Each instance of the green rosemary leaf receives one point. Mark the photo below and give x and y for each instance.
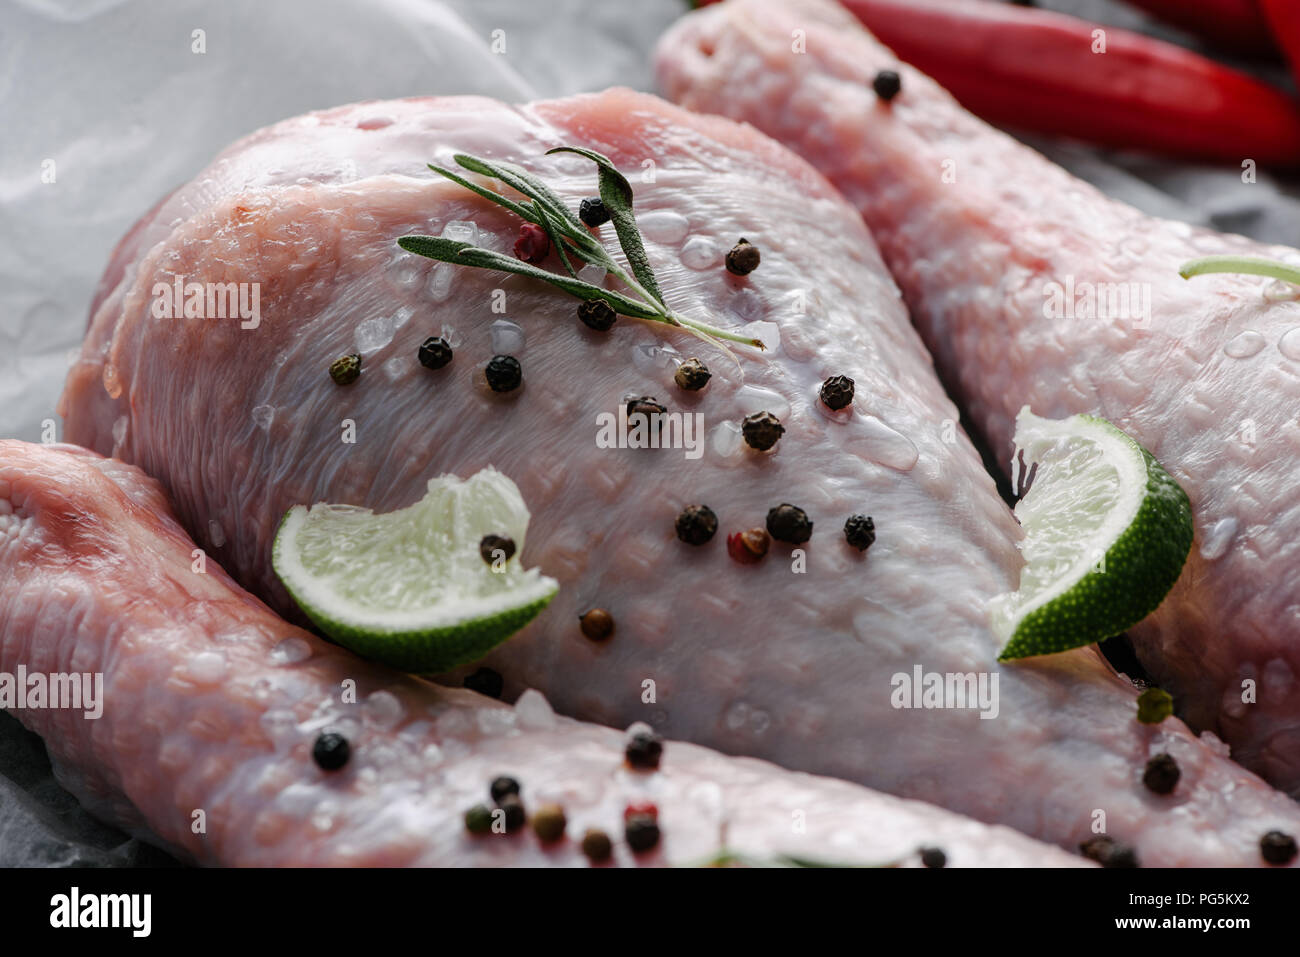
(464, 254)
(516, 208)
(616, 194)
(557, 243)
(524, 182)
(434, 247)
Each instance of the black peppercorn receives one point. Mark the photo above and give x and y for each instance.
(486, 682)
(742, 259)
(597, 846)
(692, 375)
(641, 832)
(597, 314)
(1108, 852)
(696, 524)
(647, 406)
(789, 523)
(761, 430)
(1161, 774)
(345, 370)
(644, 747)
(503, 373)
(860, 531)
(887, 84)
(502, 787)
(1277, 847)
(331, 751)
(516, 816)
(933, 857)
(435, 352)
(491, 544)
(837, 392)
(593, 212)
(597, 624)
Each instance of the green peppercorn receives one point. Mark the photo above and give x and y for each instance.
(596, 623)
(478, 819)
(761, 430)
(641, 832)
(1108, 852)
(692, 375)
(860, 531)
(597, 314)
(486, 682)
(644, 748)
(837, 392)
(1277, 847)
(887, 84)
(549, 823)
(435, 352)
(516, 816)
(789, 523)
(1161, 774)
(933, 857)
(696, 524)
(490, 545)
(592, 212)
(331, 751)
(597, 846)
(503, 373)
(345, 370)
(742, 259)
(1154, 705)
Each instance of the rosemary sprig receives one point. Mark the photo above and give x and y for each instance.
(1248, 265)
(569, 237)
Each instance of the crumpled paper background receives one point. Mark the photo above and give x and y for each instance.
(113, 92)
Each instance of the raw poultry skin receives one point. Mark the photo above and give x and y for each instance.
(213, 703)
(794, 667)
(1209, 384)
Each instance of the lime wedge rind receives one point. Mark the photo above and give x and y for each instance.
(436, 650)
(1129, 557)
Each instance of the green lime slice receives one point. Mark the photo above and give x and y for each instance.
(410, 588)
(1107, 531)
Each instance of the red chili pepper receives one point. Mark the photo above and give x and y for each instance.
(533, 244)
(1037, 70)
(1237, 25)
(1284, 19)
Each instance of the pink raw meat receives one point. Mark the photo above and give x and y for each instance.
(983, 234)
(792, 659)
(213, 703)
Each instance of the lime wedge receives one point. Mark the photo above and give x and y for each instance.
(1107, 531)
(411, 588)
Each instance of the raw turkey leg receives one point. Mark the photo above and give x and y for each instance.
(799, 659)
(999, 253)
(210, 702)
